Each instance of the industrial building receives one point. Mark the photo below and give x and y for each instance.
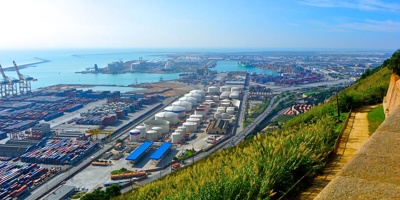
(218, 126)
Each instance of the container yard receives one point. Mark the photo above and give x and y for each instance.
(17, 179)
(60, 152)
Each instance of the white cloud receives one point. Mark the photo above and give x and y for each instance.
(367, 25)
(368, 5)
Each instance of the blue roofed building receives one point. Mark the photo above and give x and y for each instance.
(161, 152)
(139, 152)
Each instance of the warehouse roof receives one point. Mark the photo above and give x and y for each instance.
(139, 151)
(161, 151)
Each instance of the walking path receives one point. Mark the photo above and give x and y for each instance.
(354, 136)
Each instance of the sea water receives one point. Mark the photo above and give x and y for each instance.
(65, 63)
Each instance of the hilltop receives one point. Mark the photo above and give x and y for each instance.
(266, 167)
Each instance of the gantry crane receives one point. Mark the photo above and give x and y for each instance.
(24, 81)
(8, 85)
(97, 131)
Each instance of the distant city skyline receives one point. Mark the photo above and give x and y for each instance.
(222, 24)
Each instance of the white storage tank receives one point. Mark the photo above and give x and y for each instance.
(142, 130)
(223, 116)
(186, 104)
(164, 124)
(200, 112)
(190, 126)
(151, 135)
(196, 116)
(176, 137)
(226, 101)
(194, 95)
(201, 92)
(235, 89)
(212, 90)
(176, 109)
(208, 97)
(224, 95)
(215, 98)
(169, 116)
(159, 131)
(225, 88)
(221, 109)
(234, 95)
(195, 120)
(225, 104)
(182, 128)
(203, 107)
(134, 135)
(189, 99)
(230, 111)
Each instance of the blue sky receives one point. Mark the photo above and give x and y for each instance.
(247, 24)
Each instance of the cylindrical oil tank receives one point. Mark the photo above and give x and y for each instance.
(159, 131)
(164, 124)
(225, 88)
(212, 90)
(169, 116)
(234, 95)
(203, 107)
(223, 116)
(196, 116)
(186, 104)
(200, 112)
(134, 135)
(192, 100)
(190, 126)
(225, 104)
(182, 128)
(194, 95)
(195, 120)
(235, 89)
(208, 97)
(226, 101)
(224, 95)
(142, 130)
(151, 135)
(201, 92)
(215, 98)
(176, 109)
(230, 111)
(221, 109)
(176, 137)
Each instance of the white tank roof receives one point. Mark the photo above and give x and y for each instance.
(175, 109)
(181, 103)
(166, 114)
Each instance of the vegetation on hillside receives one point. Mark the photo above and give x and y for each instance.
(375, 118)
(266, 167)
(394, 62)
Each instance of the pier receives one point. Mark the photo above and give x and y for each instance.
(40, 61)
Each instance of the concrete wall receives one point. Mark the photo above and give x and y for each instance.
(374, 171)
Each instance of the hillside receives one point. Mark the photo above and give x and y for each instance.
(266, 167)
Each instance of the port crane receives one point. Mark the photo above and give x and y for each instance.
(8, 85)
(24, 81)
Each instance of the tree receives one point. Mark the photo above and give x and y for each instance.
(113, 190)
(394, 62)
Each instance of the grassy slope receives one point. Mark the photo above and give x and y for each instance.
(375, 118)
(267, 166)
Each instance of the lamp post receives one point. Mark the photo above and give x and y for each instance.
(192, 154)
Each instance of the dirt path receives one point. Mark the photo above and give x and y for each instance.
(354, 136)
